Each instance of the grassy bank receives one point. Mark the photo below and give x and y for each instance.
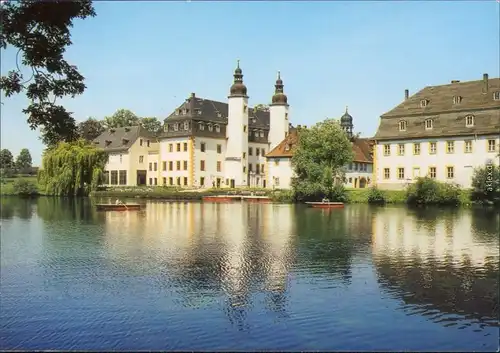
(7, 184)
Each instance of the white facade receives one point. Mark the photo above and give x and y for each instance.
(176, 153)
(359, 175)
(280, 172)
(450, 159)
(257, 164)
(278, 124)
(209, 155)
(236, 161)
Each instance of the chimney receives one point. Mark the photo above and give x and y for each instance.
(407, 94)
(485, 83)
(193, 95)
(455, 81)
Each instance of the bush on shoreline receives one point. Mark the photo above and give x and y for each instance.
(427, 191)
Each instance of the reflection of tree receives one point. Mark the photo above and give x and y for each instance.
(442, 285)
(16, 207)
(60, 209)
(486, 222)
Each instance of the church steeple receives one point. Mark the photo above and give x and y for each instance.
(279, 96)
(238, 88)
(346, 123)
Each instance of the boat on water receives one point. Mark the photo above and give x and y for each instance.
(327, 204)
(118, 207)
(221, 198)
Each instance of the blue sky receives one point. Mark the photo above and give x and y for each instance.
(149, 56)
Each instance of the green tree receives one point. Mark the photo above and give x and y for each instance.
(72, 169)
(321, 154)
(121, 118)
(24, 160)
(90, 129)
(6, 159)
(486, 184)
(262, 107)
(152, 124)
(40, 32)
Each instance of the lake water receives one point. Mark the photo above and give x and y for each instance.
(191, 276)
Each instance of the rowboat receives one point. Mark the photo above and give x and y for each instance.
(221, 198)
(325, 204)
(118, 207)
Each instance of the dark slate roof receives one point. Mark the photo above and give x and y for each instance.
(209, 110)
(448, 117)
(121, 138)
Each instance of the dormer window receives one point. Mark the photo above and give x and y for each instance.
(402, 125)
(262, 134)
(424, 103)
(496, 95)
(112, 131)
(210, 127)
(176, 127)
(127, 129)
(165, 128)
(469, 121)
(186, 125)
(217, 128)
(428, 124)
(287, 147)
(201, 126)
(179, 112)
(108, 142)
(457, 99)
(124, 141)
(184, 111)
(219, 115)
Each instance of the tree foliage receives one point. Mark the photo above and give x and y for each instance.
(90, 129)
(121, 118)
(151, 124)
(261, 107)
(6, 159)
(25, 188)
(486, 184)
(72, 169)
(24, 160)
(40, 32)
(321, 154)
(428, 191)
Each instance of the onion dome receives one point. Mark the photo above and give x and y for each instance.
(238, 88)
(279, 97)
(346, 118)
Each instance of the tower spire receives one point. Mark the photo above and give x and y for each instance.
(238, 88)
(279, 96)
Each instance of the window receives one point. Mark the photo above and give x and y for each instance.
(416, 172)
(178, 165)
(387, 150)
(155, 166)
(219, 149)
(185, 165)
(401, 173)
(286, 116)
(141, 159)
(156, 181)
(387, 173)
(250, 151)
(450, 146)
(245, 108)
(401, 149)
(262, 151)
(402, 125)
(469, 121)
(219, 166)
(171, 147)
(201, 126)
(202, 181)
(122, 177)
(257, 169)
(178, 147)
(217, 128)
(185, 181)
(114, 177)
(244, 155)
(432, 172)
(164, 166)
(106, 178)
(496, 95)
(261, 134)
(202, 147)
(164, 181)
(150, 166)
(244, 169)
(262, 168)
(150, 181)
(176, 127)
(170, 166)
(432, 148)
(250, 167)
(179, 181)
(350, 166)
(416, 148)
(355, 166)
(148, 143)
(186, 125)
(277, 181)
(424, 103)
(428, 124)
(468, 146)
(244, 128)
(170, 181)
(165, 127)
(257, 152)
(491, 145)
(121, 158)
(457, 99)
(210, 127)
(185, 146)
(450, 172)
(140, 142)
(202, 165)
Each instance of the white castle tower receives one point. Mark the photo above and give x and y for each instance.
(278, 111)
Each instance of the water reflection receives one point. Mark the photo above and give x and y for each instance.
(440, 264)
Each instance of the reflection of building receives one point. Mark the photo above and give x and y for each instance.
(438, 261)
(443, 132)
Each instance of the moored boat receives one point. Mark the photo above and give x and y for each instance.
(118, 207)
(221, 198)
(325, 204)
(261, 199)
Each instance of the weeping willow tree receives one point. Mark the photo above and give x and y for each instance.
(72, 169)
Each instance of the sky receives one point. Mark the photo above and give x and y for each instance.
(149, 56)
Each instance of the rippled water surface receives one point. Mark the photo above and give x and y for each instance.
(248, 277)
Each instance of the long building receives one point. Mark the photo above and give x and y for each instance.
(443, 132)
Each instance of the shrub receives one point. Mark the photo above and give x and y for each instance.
(427, 191)
(284, 196)
(23, 187)
(486, 184)
(376, 196)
